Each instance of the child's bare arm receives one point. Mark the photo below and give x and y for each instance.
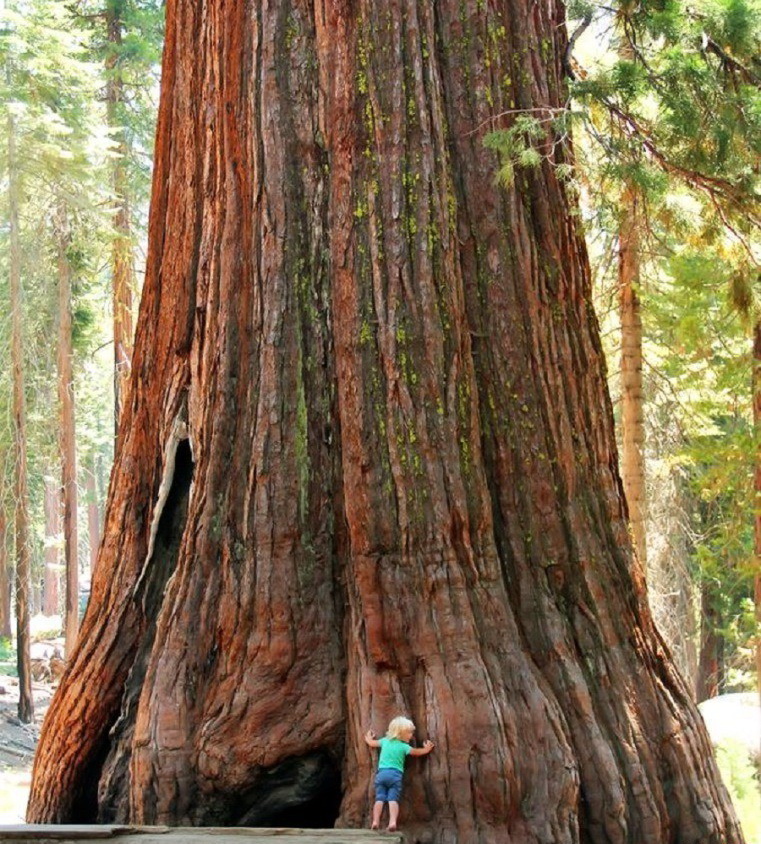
(371, 740)
(424, 750)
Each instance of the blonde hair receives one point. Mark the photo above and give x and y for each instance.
(398, 726)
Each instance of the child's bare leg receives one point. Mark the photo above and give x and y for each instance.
(377, 810)
(393, 815)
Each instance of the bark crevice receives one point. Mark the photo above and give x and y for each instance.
(169, 525)
(164, 512)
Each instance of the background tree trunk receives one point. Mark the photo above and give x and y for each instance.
(711, 656)
(35, 594)
(68, 448)
(122, 259)
(93, 516)
(632, 400)
(51, 597)
(23, 573)
(632, 410)
(5, 579)
(674, 592)
(757, 486)
(368, 464)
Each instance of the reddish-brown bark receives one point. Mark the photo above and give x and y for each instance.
(368, 464)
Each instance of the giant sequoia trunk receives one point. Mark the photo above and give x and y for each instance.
(367, 465)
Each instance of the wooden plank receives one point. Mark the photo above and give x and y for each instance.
(70, 834)
(59, 832)
(261, 836)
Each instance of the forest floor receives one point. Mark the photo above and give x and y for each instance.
(17, 745)
(18, 741)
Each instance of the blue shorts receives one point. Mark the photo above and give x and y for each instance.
(388, 785)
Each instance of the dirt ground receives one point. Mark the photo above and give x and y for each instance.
(17, 744)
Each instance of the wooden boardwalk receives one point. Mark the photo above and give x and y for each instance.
(191, 835)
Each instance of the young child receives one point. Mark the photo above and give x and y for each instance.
(394, 750)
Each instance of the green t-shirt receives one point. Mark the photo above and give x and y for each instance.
(393, 753)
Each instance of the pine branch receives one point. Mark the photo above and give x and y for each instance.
(731, 63)
(716, 188)
(568, 55)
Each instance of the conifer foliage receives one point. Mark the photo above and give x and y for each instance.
(57, 146)
(688, 101)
